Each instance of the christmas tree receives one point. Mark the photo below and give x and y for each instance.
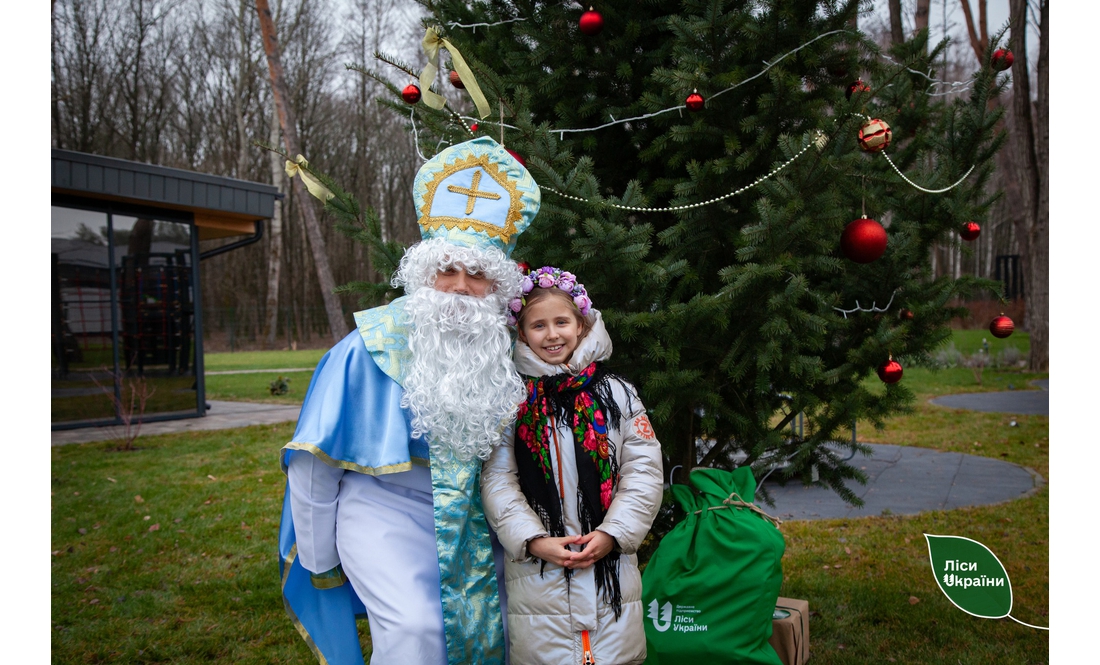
(699, 163)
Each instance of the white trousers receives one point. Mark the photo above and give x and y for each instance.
(385, 539)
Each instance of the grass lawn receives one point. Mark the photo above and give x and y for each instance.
(220, 362)
(256, 387)
(188, 574)
(969, 341)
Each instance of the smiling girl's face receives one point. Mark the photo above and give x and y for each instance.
(552, 327)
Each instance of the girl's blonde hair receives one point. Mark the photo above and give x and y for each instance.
(539, 293)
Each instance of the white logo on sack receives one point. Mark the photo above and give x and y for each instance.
(661, 624)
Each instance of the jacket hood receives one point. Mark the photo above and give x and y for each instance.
(595, 347)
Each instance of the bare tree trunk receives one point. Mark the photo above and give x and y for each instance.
(1038, 304)
(275, 253)
(337, 324)
(979, 41)
(1033, 184)
(243, 75)
(897, 33)
(920, 18)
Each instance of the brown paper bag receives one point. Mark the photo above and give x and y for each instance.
(791, 634)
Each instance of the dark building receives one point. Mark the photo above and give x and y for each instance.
(126, 311)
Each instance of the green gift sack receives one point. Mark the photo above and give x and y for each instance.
(710, 588)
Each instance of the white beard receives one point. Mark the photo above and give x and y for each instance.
(462, 387)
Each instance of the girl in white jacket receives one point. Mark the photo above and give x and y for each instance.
(574, 488)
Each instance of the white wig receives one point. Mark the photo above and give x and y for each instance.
(423, 261)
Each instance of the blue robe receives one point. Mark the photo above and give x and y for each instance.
(352, 419)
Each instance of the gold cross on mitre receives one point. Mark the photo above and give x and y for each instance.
(475, 194)
(472, 193)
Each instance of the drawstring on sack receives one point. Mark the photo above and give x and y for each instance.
(735, 500)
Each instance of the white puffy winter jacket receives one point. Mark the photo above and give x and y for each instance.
(545, 619)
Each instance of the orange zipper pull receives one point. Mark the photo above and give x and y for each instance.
(588, 659)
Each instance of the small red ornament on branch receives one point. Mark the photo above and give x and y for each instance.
(857, 86)
(522, 161)
(456, 81)
(694, 101)
(906, 315)
(1001, 327)
(970, 231)
(874, 135)
(1001, 60)
(890, 371)
(411, 93)
(863, 240)
(591, 22)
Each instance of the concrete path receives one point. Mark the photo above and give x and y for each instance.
(1021, 402)
(903, 480)
(222, 415)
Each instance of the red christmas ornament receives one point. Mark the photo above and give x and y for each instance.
(456, 81)
(694, 101)
(1001, 327)
(970, 231)
(874, 135)
(890, 371)
(522, 161)
(411, 93)
(524, 267)
(857, 86)
(906, 314)
(591, 22)
(863, 240)
(473, 127)
(1001, 60)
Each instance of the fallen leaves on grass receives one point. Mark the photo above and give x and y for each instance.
(913, 600)
(138, 499)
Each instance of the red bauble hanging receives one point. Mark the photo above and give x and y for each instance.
(857, 86)
(890, 371)
(456, 81)
(906, 315)
(1001, 327)
(411, 93)
(694, 101)
(1001, 60)
(863, 240)
(524, 267)
(522, 161)
(473, 127)
(970, 231)
(874, 135)
(591, 22)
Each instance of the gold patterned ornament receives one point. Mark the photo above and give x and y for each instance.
(874, 135)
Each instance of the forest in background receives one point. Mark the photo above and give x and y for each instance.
(184, 83)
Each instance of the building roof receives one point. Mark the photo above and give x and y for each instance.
(221, 206)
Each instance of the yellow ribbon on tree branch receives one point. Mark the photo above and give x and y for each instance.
(312, 184)
(432, 42)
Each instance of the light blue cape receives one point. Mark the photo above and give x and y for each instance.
(352, 419)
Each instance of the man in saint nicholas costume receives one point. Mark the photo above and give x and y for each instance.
(382, 514)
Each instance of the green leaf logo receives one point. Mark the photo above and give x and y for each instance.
(970, 575)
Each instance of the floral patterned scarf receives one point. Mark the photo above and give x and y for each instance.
(586, 402)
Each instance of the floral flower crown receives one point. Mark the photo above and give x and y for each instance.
(548, 277)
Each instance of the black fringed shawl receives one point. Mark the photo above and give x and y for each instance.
(586, 402)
